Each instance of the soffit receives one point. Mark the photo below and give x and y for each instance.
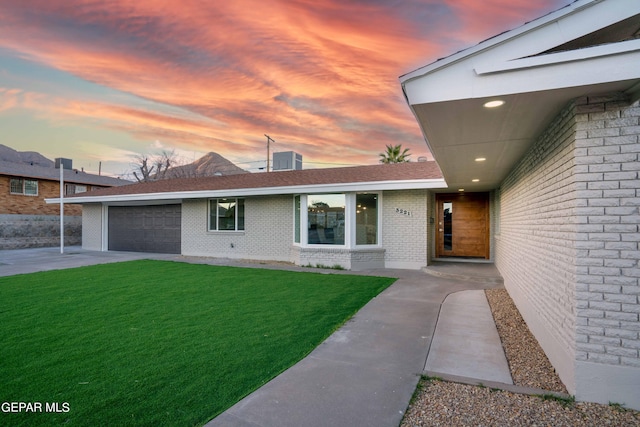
(537, 70)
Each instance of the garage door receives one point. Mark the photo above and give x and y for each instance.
(145, 228)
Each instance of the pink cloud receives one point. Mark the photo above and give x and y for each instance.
(321, 75)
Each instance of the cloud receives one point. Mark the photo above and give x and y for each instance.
(322, 75)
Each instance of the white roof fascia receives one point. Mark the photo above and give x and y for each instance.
(560, 57)
(499, 39)
(268, 191)
(459, 79)
(534, 76)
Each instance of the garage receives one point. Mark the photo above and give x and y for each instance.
(153, 229)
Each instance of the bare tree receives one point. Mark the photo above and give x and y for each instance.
(152, 168)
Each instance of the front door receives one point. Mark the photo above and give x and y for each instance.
(463, 225)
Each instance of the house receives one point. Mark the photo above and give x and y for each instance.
(356, 217)
(26, 220)
(546, 119)
(536, 137)
(24, 187)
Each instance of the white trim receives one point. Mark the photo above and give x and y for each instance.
(602, 383)
(178, 196)
(217, 230)
(105, 228)
(499, 39)
(560, 57)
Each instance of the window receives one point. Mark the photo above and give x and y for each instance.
(296, 213)
(326, 219)
(226, 214)
(70, 189)
(348, 220)
(28, 187)
(366, 219)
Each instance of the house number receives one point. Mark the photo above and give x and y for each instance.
(403, 212)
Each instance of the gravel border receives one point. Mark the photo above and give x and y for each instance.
(443, 403)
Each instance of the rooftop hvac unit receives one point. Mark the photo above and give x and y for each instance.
(287, 160)
(64, 163)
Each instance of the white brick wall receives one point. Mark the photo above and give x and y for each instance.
(92, 227)
(535, 250)
(268, 231)
(405, 237)
(269, 234)
(607, 148)
(567, 246)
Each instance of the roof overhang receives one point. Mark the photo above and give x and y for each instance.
(524, 69)
(177, 197)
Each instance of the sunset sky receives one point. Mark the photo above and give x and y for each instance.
(106, 81)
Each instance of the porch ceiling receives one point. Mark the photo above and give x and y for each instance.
(460, 131)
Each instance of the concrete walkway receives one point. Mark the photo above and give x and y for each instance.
(367, 371)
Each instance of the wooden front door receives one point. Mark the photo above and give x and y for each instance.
(463, 225)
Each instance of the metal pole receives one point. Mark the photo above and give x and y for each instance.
(269, 139)
(61, 208)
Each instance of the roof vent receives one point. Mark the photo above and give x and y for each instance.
(287, 160)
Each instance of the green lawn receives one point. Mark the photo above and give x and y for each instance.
(157, 342)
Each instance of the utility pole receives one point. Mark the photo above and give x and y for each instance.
(61, 207)
(269, 140)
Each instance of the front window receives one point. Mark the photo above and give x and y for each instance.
(326, 219)
(226, 214)
(28, 187)
(296, 219)
(366, 219)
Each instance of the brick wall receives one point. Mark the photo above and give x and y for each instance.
(607, 165)
(268, 231)
(535, 250)
(567, 246)
(404, 237)
(34, 205)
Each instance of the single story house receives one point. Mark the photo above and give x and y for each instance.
(536, 137)
(354, 217)
(546, 118)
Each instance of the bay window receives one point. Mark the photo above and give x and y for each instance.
(346, 220)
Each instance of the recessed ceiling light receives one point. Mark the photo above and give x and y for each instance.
(475, 180)
(493, 104)
(480, 159)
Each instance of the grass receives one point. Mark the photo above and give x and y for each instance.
(564, 401)
(157, 342)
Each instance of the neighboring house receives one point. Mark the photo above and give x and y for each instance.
(24, 188)
(545, 185)
(25, 218)
(558, 154)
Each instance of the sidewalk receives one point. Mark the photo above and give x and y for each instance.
(367, 371)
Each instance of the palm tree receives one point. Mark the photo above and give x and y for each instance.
(395, 154)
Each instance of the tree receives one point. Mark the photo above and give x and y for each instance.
(153, 168)
(395, 154)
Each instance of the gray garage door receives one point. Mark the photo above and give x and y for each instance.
(145, 228)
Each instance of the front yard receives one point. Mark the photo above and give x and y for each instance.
(157, 342)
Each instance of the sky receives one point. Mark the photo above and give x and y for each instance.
(103, 82)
